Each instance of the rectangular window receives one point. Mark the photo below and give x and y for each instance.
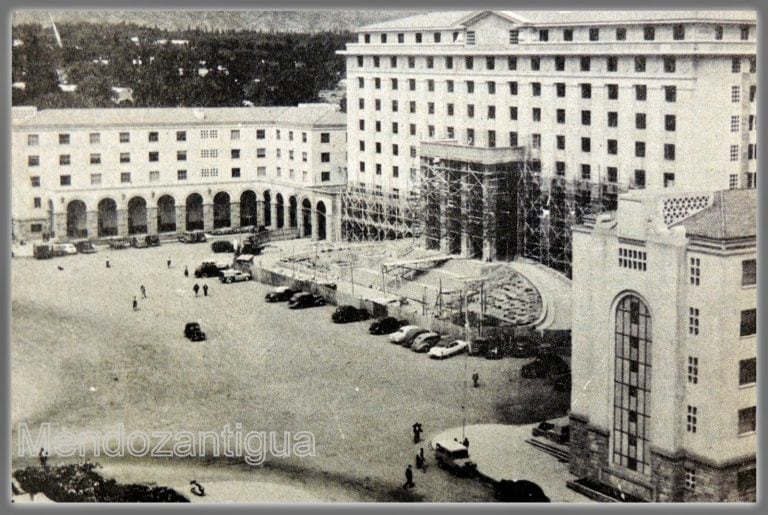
(586, 91)
(560, 142)
(209, 133)
(181, 175)
(209, 153)
(513, 88)
(641, 92)
(378, 169)
(560, 168)
(360, 84)
(744, 33)
(746, 480)
(412, 84)
(377, 83)
(63, 139)
(65, 180)
(95, 179)
(734, 152)
(512, 63)
(33, 160)
(470, 86)
(535, 64)
(567, 34)
(690, 479)
(154, 137)
(543, 35)
(430, 85)
(393, 84)
(586, 172)
(747, 371)
(649, 33)
(513, 139)
(536, 89)
(33, 140)
(35, 181)
(490, 63)
(64, 159)
(670, 93)
(449, 132)
(639, 149)
(235, 172)
(735, 94)
(639, 181)
(535, 114)
(613, 91)
(560, 116)
(125, 137)
(584, 63)
(377, 104)
(94, 138)
(560, 89)
(594, 34)
(693, 370)
(748, 322)
(669, 180)
(613, 147)
(37, 202)
(491, 88)
(733, 181)
(412, 129)
(559, 63)
(470, 110)
(491, 139)
(735, 123)
(670, 122)
(613, 174)
(693, 321)
(747, 420)
(411, 61)
(669, 64)
(586, 117)
(261, 171)
(691, 419)
(376, 61)
(430, 61)
(669, 151)
(695, 271)
(449, 86)
(612, 63)
(95, 159)
(469, 62)
(125, 177)
(154, 156)
(536, 140)
(736, 65)
(471, 137)
(514, 37)
(449, 109)
(325, 157)
(234, 153)
(394, 127)
(678, 32)
(632, 259)
(749, 272)
(491, 112)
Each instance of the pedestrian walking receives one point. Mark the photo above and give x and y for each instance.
(108, 266)
(422, 459)
(169, 261)
(475, 379)
(466, 442)
(143, 292)
(186, 271)
(205, 290)
(417, 432)
(409, 477)
(43, 455)
(419, 462)
(135, 304)
(196, 288)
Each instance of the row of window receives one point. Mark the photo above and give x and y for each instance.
(585, 63)
(747, 371)
(747, 420)
(182, 175)
(746, 480)
(153, 136)
(181, 155)
(594, 34)
(748, 271)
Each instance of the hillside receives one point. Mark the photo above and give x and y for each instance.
(267, 21)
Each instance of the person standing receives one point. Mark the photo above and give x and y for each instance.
(466, 442)
(108, 266)
(43, 455)
(205, 290)
(143, 292)
(475, 379)
(186, 271)
(417, 432)
(196, 288)
(169, 261)
(135, 304)
(409, 477)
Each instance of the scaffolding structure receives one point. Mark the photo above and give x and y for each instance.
(489, 204)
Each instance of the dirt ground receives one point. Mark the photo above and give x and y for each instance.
(82, 359)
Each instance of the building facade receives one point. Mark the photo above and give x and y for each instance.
(619, 99)
(94, 173)
(663, 404)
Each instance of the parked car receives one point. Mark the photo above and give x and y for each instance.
(448, 347)
(454, 456)
(139, 243)
(280, 294)
(425, 341)
(523, 349)
(64, 249)
(192, 237)
(222, 246)
(253, 249)
(305, 300)
(543, 366)
(210, 269)
(328, 284)
(193, 332)
(119, 243)
(234, 276)
(153, 240)
(563, 383)
(344, 314)
(42, 251)
(518, 491)
(386, 325)
(85, 247)
(406, 332)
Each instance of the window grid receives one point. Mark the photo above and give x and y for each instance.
(695, 271)
(632, 259)
(693, 370)
(691, 419)
(693, 321)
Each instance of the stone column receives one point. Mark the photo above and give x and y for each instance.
(287, 217)
(315, 224)
(91, 223)
(234, 215)
(300, 220)
(151, 220)
(60, 225)
(207, 217)
(181, 218)
(490, 188)
(273, 214)
(122, 222)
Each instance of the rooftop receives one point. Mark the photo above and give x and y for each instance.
(732, 214)
(305, 115)
(457, 19)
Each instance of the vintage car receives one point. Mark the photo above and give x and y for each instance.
(234, 276)
(305, 300)
(193, 332)
(448, 347)
(192, 237)
(454, 456)
(344, 314)
(281, 294)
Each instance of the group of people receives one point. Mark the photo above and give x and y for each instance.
(421, 461)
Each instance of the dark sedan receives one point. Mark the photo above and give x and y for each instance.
(387, 325)
(193, 332)
(305, 300)
(545, 366)
(344, 314)
(281, 294)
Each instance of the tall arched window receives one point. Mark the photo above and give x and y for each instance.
(632, 385)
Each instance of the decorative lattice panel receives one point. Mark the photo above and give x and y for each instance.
(675, 209)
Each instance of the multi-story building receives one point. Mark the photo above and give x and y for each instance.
(596, 99)
(663, 405)
(95, 173)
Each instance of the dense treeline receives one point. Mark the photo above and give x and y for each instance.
(261, 68)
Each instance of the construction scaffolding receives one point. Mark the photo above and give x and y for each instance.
(482, 203)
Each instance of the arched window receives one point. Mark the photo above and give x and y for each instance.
(632, 385)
